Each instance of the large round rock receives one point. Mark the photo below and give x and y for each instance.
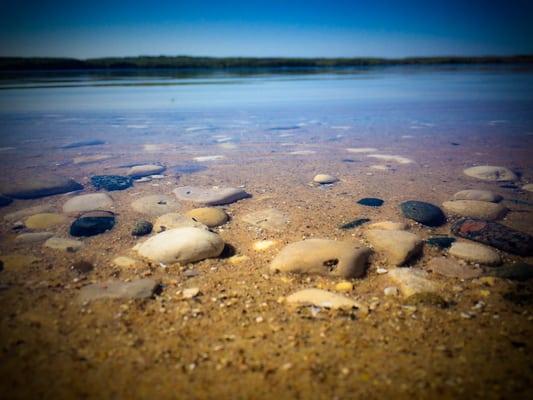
(491, 173)
(322, 257)
(92, 223)
(181, 245)
(475, 209)
(422, 212)
(211, 196)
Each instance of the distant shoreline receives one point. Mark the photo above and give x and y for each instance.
(186, 62)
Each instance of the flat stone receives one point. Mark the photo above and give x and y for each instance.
(68, 245)
(209, 216)
(83, 143)
(92, 223)
(494, 235)
(388, 226)
(422, 212)
(519, 271)
(5, 201)
(324, 179)
(324, 299)
(111, 182)
(474, 252)
(370, 202)
(190, 293)
(411, 281)
(475, 209)
(142, 228)
(270, 219)
(451, 269)
(26, 212)
(36, 187)
(322, 257)
(44, 220)
(155, 205)
(479, 195)
(125, 262)
(398, 246)
(33, 237)
(181, 245)
(138, 171)
(175, 220)
(211, 196)
(491, 173)
(87, 202)
(137, 289)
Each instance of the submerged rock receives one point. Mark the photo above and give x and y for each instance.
(474, 252)
(5, 201)
(92, 223)
(370, 202)
(68, 245)
(398, 246)
(137, 289)
(155, 205)
(475, 209)
(138, 171)
(142, 228)
(269, 219)
(479, 195)
(322, 257)
(324, 179)
(211, 196)
(323, 298)
(175, 220)
(33, 237)
(442, 242)
(495, 235)
(422, 212)
(111, 182)
(209, 216)
(388, 226)
(87, 202)
(26, 212)
(412, 281)
(452, 269)
(491, 173)
(36, 187)
(355, 223)
(44, 220)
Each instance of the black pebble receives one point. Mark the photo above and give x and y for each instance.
(111, 182)
(440, 241)
(82, 267)
(142, 228)
(355, 223)
(92, 223)
(371, 202)
(422, 212)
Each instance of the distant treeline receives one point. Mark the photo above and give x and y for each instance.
(185, 62)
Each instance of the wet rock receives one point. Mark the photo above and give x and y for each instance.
(426, 299)
(181, 245)
(398, 246)
(33, 237)
(36, 187)
(442, 242)
(475, 209)
(137, 289)
(324, 179)
(26, 212)
(451, 269)
(495, 235)
(211, 196)
(324, 299)
(155, 205)
(519, 271)
(422, 212)
(138, 171)
(528, 187)
(479, 195)
(44, 220)
(82, 267)
(83, 143)
(92, 223)
(370, 202)
(355, 223)
(322, 257)
(491, 173)
(269, 219)
(175, 220)
(5, 201)
(142, 228)
(111, 182)
(411, 281)
(209, 216)
(88, 202)
(67, 245)
(476, 253)
(388, 226)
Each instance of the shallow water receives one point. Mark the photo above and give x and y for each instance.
(269, 132)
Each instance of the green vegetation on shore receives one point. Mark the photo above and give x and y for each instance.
(186, 62)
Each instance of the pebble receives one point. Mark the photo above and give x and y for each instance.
(238, 259)
(370, 202)
(324, 179)
(44, 220)
(451, 269)
(67, 245)
(5, 201)
(475, 209)
(125, 262)
(442, 242)
(111, 182)
(398, 246)
(82, 267)
(382, 271)
(263, 245)
(211, 196)
(88, 202)
(181, 245)
(422, 212)
(495, 235)
(83, 143)
(270, 219)
(216, 157)
(528, 187)
(26, 212)
(491, 173)
(361, 150)
(391, 291)
(37, 187)
(139, 171)
(190, 293)
(411, 281)
(479, 195)
(33, 237)
(92, 223)
(209, 216)
(136, 289)
(476, 253)
(324, 299)
(155, 205)
(142, 228)
(344, 287)
(175, 220)
(388, 226)
(323, 257)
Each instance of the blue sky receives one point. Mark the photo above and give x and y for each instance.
(265, 28)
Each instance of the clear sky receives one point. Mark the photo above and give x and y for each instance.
(310, 28)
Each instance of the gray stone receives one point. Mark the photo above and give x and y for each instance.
(269, 219)
(398, 246)
(33, 237)
(210, 196)
(479, 195)
(491, 173)
(155, 205)
(88, 202)
(475, 209)
(475, 252)
(324, 299)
